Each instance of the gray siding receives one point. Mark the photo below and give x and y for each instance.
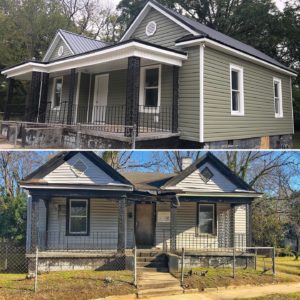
(167, 31)
(54, 55)
(259, 119)
(189, 96)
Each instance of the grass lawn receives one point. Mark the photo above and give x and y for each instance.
(288, 270)
(66, 285)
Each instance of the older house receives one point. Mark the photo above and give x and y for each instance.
(82, 214)
(169, 80)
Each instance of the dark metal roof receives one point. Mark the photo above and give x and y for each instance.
(81, 44)
(205, 31)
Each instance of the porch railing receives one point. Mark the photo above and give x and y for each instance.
(111, 118)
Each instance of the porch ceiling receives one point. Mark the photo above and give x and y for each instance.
(112, 57)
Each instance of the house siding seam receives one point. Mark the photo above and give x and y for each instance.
(259, 119)
(167, 31)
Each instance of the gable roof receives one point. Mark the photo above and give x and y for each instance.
(220, 166)
(198, 30)
(38, 175)
(77, 44)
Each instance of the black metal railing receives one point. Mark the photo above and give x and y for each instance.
(14, 112)
(203, 242)
(111, 118)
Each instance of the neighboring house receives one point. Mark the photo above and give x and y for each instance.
(79, 204)
(168, 77)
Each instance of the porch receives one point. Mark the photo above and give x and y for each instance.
(126, 89)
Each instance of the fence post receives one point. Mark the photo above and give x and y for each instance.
(133, 138)
(135, 273)
(182, 266)
(233, 264)
(36, 269)
(6, 257)
(255, 260)
(273, 261)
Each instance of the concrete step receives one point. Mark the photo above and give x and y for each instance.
(152, 258)
(160, 292)
(152, 269)
(153, 264)
(146, 253)
(146, 284)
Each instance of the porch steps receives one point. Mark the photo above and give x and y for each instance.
(154, 278)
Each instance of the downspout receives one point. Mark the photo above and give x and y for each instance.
(89, 99)
(40, 98)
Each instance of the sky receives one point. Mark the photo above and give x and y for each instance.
(280, 3)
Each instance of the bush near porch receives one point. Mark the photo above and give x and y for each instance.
(287, 270)
(66, 285)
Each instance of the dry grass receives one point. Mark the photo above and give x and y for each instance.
(278, 297)
(288, 270)
(66, 285)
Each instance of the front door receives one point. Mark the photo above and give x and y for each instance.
(100, 98)
(144, 225)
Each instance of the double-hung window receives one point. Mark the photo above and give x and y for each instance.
(150, 89)
(57, 92)
(277, 98)
(206, 219)
(78, 216)
(237, 90)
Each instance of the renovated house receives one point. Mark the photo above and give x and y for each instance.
(170, 80)
(83, 214)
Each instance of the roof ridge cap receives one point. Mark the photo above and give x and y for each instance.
(82, 36)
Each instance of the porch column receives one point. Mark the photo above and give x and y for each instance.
(173, 230)
(232, 210)
(175, 99)
(249, 225)
(132, 95)
(34, 229)
(122, 223)
(44, 97)
(33, 105)
(72, 86)
(9, 99)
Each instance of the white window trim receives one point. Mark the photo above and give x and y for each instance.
(144, 109)
(53, 92)
(70, 216)
(239, 69)
(214, 220)
(278, 81)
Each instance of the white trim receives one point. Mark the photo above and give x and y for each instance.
(54, 186)
(142, 15)
(279, 82)
(214, 229)
(53, 92)
(77, 95)
(53, 45)
(86, 216)
(240, 70)
(102, 56)
(232, 51)
(292, 103)
(144, 109)
(148, 32)
(201, 90)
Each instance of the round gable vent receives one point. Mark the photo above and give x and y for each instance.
(60, 51)
(151, 28)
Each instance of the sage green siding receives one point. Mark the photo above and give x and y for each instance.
(54, 54)
(189, 96)
(167, 31)
(259, 119)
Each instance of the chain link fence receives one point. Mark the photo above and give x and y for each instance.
(54, 274)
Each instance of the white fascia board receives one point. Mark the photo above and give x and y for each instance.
(102, 56)
(67, 187)
(142, 15)
(229, 195)
(23, 69)
(229, 50)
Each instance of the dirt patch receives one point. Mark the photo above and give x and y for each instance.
(66, 285)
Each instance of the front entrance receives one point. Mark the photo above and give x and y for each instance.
(144, 225)
(100, 99)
